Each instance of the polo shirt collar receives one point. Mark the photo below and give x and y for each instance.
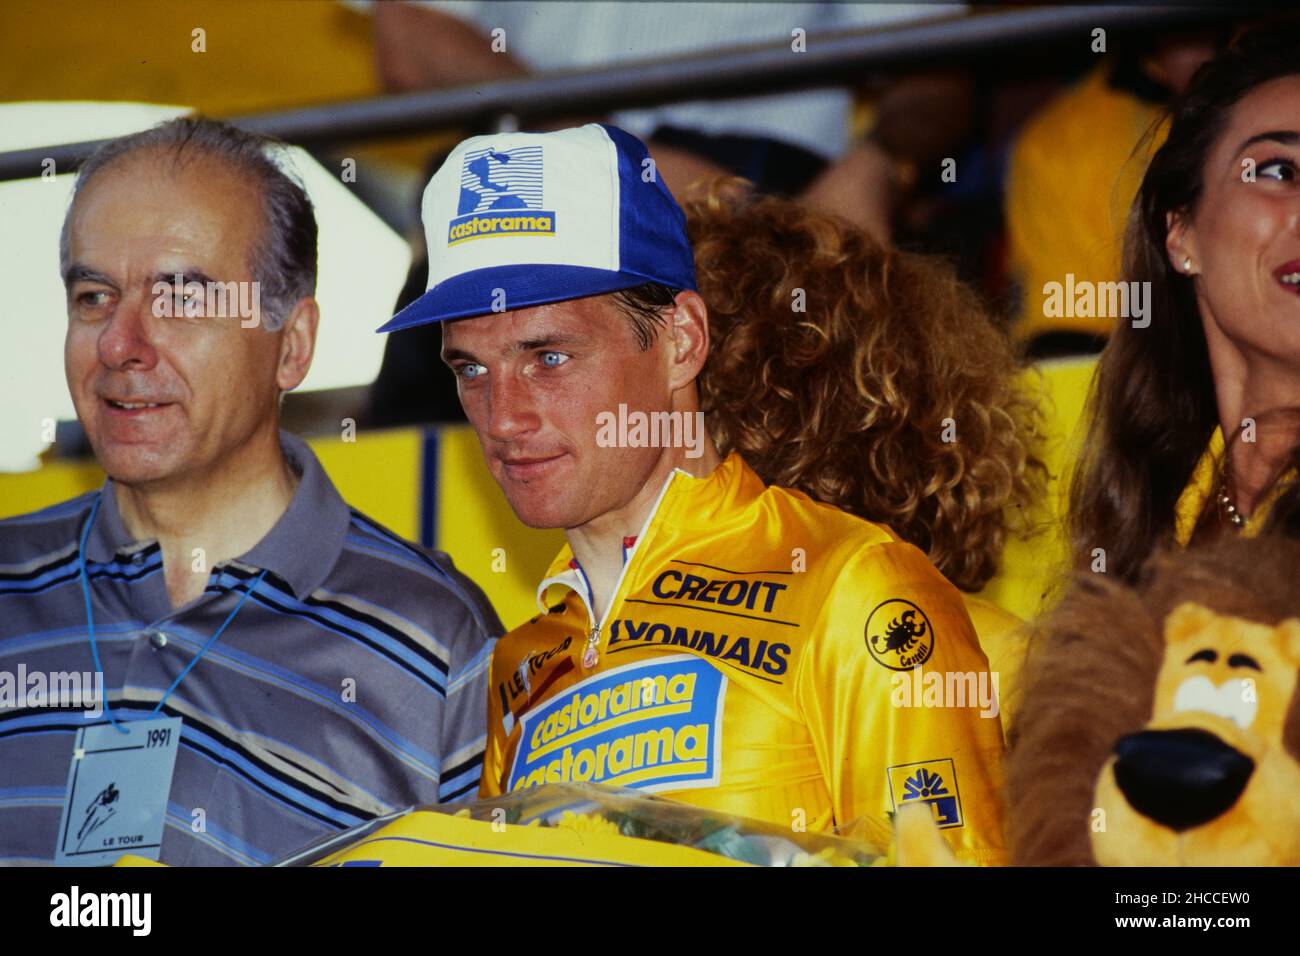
(700, 504)
(109, 536)
(305, 544)
(301, 548)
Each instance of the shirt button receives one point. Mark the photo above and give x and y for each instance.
(158, 639)
(137, 558)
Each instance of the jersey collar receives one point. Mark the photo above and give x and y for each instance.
(686, 503)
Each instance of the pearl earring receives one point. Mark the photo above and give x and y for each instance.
(1187, 264)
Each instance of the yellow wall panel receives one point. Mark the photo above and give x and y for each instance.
(379, 474)
(475, 520)
(33, 490)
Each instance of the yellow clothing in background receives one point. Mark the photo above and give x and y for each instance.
(1071, 179)
(256, 57)
(1004, 639)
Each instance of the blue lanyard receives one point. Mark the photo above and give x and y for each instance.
(90, 623)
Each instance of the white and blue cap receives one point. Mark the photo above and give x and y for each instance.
(521, 219)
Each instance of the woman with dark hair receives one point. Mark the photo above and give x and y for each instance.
(872, 380)
(1215, 231)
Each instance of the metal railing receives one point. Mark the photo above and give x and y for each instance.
(827, 59)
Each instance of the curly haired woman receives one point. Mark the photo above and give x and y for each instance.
(869, 379)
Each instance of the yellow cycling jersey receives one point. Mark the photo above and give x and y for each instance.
(763, 655)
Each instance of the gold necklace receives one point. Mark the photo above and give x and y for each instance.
(1227, 507)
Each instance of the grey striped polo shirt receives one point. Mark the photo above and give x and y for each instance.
(351, 683)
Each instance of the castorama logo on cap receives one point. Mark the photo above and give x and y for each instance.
(501, 195)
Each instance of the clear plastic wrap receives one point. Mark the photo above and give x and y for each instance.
(627, 822)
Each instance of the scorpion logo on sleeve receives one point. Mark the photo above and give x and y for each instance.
(898, 635)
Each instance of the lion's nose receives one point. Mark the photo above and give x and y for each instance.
(1180, 778)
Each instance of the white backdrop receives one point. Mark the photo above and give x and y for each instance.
(362, 265)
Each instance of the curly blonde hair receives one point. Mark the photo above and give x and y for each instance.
(868, 378)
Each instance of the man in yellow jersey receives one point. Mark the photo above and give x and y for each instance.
(702, 636)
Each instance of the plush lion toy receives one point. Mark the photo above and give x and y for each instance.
(1160, 723)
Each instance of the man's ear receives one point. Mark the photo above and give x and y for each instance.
(1187, 620)
(1180, 242)
(297, 344)
(689, 339)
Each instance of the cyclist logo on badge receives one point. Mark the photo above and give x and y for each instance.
(99, 812)
(898, 635)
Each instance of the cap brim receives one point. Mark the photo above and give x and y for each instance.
(505, 288)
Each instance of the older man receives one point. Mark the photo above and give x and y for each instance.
(276, 665)
(734, 646)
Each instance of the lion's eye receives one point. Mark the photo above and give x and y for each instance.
(1244, 660)
(1209, 655)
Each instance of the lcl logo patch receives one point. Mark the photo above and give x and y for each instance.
(931, 782)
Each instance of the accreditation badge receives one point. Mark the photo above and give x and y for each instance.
(118, 785)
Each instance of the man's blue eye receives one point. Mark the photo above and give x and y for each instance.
(470, 370)
(554, 359)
